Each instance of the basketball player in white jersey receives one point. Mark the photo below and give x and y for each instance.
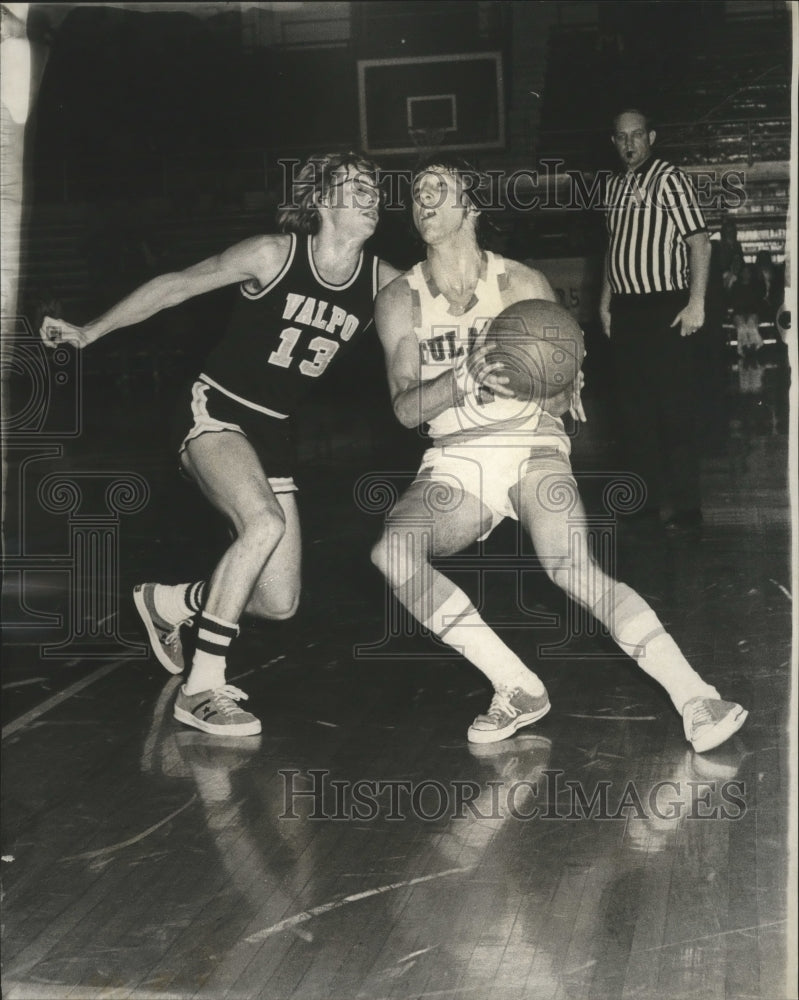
(306, 299)
(493, 456)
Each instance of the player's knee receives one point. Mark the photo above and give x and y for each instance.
(285, 610)
(574, 577)
(560, 575)
(264, 530)
(379, 555)
(274, 603)
(396, 567)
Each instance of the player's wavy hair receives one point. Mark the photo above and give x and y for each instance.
(473, 179)
(299, 213)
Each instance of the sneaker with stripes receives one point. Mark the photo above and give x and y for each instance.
(216, 712)
(164, 636)
(508, 712)
(709, 722)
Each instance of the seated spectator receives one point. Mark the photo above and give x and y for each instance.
(731, 256)
(772, 278)
(746, 299)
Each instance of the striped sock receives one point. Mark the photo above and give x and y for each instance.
(214, 636)
(180, 602)
(194, 597)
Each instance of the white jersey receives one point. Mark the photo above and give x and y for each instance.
(445, 335)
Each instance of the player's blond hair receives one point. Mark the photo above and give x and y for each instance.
(310, 184)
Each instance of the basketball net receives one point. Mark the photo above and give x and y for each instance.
(427, 140)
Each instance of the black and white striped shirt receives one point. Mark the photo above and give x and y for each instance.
(650, 213)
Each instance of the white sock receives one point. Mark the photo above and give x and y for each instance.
(640, 633)
(177, 603)
(214, 636)
(458, 624)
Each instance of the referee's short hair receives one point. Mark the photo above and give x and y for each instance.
(648, 120)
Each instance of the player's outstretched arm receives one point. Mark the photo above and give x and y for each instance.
(260, 258)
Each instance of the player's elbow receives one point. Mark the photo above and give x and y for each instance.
(404, 412)
(406, 419)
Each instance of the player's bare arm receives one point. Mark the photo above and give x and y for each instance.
(415, 401)
(386, 273)
(258, 259)
(526, 283)
(393, 318)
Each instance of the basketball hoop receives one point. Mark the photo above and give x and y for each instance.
(427, 140)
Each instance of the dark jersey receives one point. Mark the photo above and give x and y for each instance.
(282, 338)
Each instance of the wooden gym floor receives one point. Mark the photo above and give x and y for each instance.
(144, 859)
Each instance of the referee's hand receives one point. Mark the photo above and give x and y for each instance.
(690, 319)
(604, 319)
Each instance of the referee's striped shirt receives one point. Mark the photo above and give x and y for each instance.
(650, 213)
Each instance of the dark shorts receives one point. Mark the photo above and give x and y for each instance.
(205, 410)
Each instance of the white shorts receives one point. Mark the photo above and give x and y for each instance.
(489, 467)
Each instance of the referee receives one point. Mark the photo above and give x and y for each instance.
(653, 300)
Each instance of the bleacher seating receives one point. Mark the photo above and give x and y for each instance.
(721, 98)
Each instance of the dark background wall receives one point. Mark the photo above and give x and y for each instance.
(158, 131)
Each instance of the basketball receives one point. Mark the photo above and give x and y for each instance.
(540, 346)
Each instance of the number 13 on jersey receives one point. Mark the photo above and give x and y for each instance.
(323, 347)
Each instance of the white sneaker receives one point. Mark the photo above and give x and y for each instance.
(508, 712)
(708, 722)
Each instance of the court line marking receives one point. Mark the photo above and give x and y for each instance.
(711, 937)
(56, 699)
(51, 991)
(315, 911)
(614, 718)
(101, 851)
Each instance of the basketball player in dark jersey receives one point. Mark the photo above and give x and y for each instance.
(494, 456)
(305, 301)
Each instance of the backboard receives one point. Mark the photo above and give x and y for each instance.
(454, 101)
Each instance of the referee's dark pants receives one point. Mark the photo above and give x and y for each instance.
(656, 397)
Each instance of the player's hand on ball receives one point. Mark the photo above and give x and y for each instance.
(490, 372)
(477, 369)
(568, 401)
(55, 332)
